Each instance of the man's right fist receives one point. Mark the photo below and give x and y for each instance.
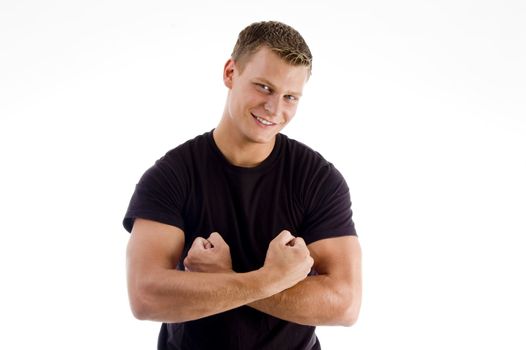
(209, 255)
(288, 260)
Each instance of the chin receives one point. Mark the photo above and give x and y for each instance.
(262, 140)
(256, 134)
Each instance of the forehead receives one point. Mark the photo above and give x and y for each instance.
(265, 64)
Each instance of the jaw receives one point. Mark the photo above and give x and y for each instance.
(242, 127)
(242, 144)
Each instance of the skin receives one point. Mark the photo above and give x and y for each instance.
(330, 298)
(159, 292)
(263, 86)
(266, 87)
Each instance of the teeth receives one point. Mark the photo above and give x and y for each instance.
(263, 121)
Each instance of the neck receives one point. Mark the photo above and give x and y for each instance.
(237, 149)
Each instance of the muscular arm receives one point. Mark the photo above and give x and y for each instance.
(159, 292)
(332, 297)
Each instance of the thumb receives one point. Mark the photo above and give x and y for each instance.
(285, 238)
(200, 243)
(216, 240)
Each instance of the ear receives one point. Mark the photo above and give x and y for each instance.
(228, 73)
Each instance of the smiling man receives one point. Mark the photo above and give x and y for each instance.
(242, 238)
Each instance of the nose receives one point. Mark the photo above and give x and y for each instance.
(271, 106)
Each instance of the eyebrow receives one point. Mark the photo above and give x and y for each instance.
(263, 80)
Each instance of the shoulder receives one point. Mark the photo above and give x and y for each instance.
(187, 149)
(177, 163)
(299, 150)
(183, 156)
(303, 158)
(310, 171)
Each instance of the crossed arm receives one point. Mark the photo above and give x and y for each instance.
(332, 297)
(281, 287)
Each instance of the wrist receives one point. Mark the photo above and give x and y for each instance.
(269, 281)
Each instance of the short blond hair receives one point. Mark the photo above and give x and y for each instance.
(282, 39)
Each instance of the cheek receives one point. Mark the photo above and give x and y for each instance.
(246, 99)
(290, 111)
(238, 100)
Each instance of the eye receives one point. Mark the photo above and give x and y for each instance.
(264, 88)
(291, 98)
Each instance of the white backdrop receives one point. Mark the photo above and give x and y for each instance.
(420, 104)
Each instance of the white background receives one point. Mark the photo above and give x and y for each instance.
(420, 104)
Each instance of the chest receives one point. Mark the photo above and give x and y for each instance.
(247, 209)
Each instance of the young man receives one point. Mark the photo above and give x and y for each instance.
(242, 238)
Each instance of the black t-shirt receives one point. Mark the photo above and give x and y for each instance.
(195, 188)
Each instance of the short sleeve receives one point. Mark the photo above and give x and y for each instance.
(327, 207)
(159, 196)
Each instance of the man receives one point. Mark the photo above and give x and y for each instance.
(242, 238)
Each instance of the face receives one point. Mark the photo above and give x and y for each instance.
(263, 96)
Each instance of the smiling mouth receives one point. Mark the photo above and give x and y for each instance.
(263, 121)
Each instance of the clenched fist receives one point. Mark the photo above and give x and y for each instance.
(288, 260)
(209, 255)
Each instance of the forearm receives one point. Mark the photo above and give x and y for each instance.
(177, 296)
(317, 300)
